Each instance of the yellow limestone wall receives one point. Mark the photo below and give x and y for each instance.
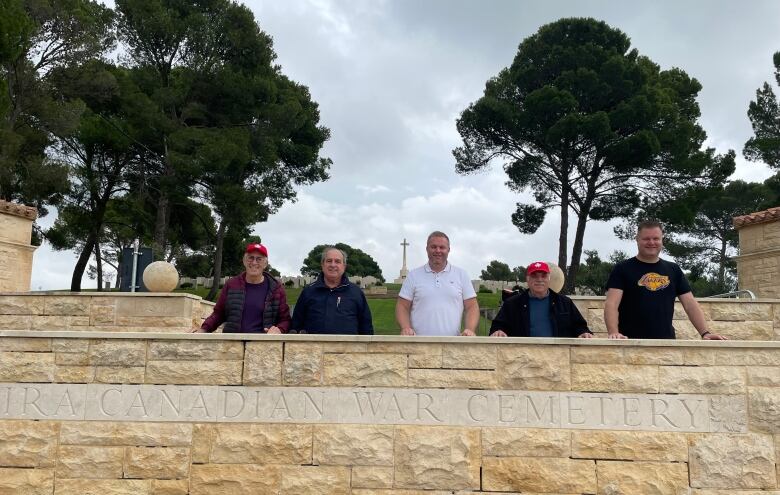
(758, 265)
(132, 413)
(177, 313)
(16, 253)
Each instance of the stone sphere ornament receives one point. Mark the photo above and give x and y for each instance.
(557, 278)
(161, 276)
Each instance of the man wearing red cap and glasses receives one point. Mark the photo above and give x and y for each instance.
(253, 302)
(539, 311)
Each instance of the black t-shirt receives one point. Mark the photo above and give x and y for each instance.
(649, 290)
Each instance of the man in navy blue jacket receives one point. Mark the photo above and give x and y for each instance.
(332, 304)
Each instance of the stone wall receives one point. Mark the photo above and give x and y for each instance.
(102, 311)
(738, 319)
(758, 263)
(16, 253)
(210, 414)
(143, 312)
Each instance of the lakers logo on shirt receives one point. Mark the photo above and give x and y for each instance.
(653, 281)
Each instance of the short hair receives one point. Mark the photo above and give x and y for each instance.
(332, 248)
(648, 224)
(437, 233)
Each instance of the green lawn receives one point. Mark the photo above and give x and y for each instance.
(383, 310)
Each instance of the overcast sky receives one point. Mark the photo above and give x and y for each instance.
(391, 77)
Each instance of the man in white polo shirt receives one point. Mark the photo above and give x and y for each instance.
(434, 296)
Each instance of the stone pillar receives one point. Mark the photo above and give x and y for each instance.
(16, 253)
(758, 263)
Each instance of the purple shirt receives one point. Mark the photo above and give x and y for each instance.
(254, 304)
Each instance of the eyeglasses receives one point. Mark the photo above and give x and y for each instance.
(255, 259)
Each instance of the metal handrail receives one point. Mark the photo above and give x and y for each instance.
(736, 294)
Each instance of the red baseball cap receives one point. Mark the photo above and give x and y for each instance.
(254, 246)
(537, 266)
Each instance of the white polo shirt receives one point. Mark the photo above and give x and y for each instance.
(437, 299)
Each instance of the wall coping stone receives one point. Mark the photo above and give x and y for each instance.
(102, 294)
(729, 344)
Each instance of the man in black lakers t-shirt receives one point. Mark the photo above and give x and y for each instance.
(641, 293)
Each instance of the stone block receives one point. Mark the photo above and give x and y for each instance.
(315, 480)
(66, 305)
(517, 442)
(157, 462)
(534, 367)
(614, 378)
(74, 374)
(119, 374)
(107, 433)
(364, 370)
(26, 366)
(21, 305)
(21, 344)
(437, 457)
(170, 487)
(704, 380)
(234, 479)
(194, 350)
(469, 357)
(28, 444)
(155, 323)
(102, 315)
(16, 322)
(763, 376)
(537, 475)
(655, 355)
(595, 318)
(371, 477)
(597, 354)
(194, 372)
(698, 357)
(343, 347)
(71, 358)
(76, 461)
(202, 438)
(747, 357)
(764, 409)
(262, 444)
(70, 345)
(744, 330)
(350, 445)
(741, 311)
(728, 413)
(420, 355)
(137, 306)
(302, 364)
(27, 481)
(116, 352)
(448, 378)
(661, 478)
(49, 323)
(102, 487)
(732, 461)
(629, 445)
(263, 364)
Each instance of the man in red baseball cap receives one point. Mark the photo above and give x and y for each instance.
(539, 311)
(253, 302)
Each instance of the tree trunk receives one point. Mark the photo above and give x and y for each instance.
(81, 264)
(99, 266)
(563, 235)
(163, 206)
(212, 295)
(722, 266)
(576, 254)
